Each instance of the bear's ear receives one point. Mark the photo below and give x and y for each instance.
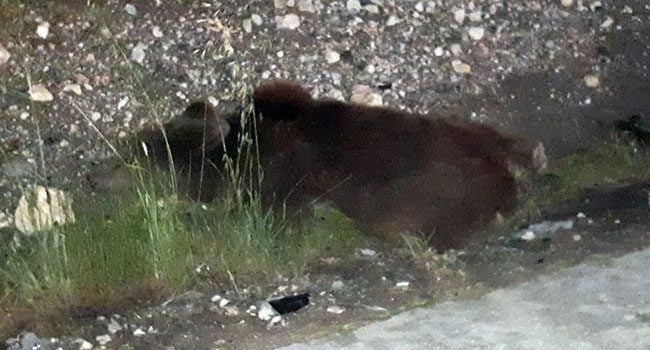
(198, 125)
(280, 100)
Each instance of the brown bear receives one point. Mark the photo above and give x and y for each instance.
(392, 172)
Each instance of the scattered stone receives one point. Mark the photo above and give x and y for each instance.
(114, 327)
(528, 236)
(455, 49)
(403, 284)
(266, 311)
(332, 56)
(74, 88)
(430, 7)
(275, 320)
(367, 252)
(103, 339)
(460, 67)
(223, 302)
(607, 23)
(566, 3)
(130, 9)
(215, 298)
(335, 94)
(247, 25)
(257, 19)
(290, 21)
(581, 215)
(392, 20)
(4, 55)
(139, 332)
(617, 221)
(374, 9)
(138, 54)
(40, 93)
(475, 16)
(337, 285)
(83, 344)
(279, 4)
(231, 311)
(353, 6)
(157, 32)
(592, 80)
(370, 69)
(419, 7)
(576, 238)
(306, 6)
(476, 33)
(95, 116)
(438, 51)
(335, 309)
(43, 30)
(459, 16)
(43, 208)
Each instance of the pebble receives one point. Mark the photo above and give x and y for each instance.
(103, 339)
(74, 88)
(332, 56)
(95, 116)
(392, 20)
(367, 252)
(139, 332)
(460, 67)
(335, 309)
(591, 80)
(607, 23)
(290, 21)
(247, 25)
(372, 9)
(43, 30)
(84, 345)
(138, 54)
(566, 3)
(4, 55)
(459, 16)
(130, 9)
(337, 285)
(430, 7)
(306, 6)
(257, 19)
(40, 93)
(275, 320)
(576, 238)
(403, 284)
(157, 33)
(475, 16)
(215, 298)
(438, 51)
(223, 302)
(353, 6)
(114, 327)
(476, 33)
(265, 311)
(279, 4)
(455, 49)
(419, 7)
(528, 236)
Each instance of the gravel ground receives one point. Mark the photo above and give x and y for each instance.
(556, 71)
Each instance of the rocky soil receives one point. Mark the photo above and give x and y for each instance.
(76, 75)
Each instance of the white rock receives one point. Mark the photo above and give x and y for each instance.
(332, 56)
(306, 6)
(247, 25)
(114, 327)
(371, 69)
(372, 9)
(95, 116)
(528, 236)
(419, 7)
(438, 51)
(566, 3)
(607, 23)
(430, 7)
(130, 9)
(43, 30)
(576, 238)
(4, 55)
(475, 16)
(403, 284)
(257, 19)
(139, 332)
(103, 339)
(459, 16)
(157, 33)
(215, 298)
(455, 49)
(581, 215)
(367, 252)
(335, 309)
(353, 6)
(83, 344)
(265, 311)
(40, 93)
(476, 33)
(279, 4)
(74, 88)
(275, 320)
(290, 21)
(591, 80)
(223, 302)
(392, 20)
(138, 54)
(460, 67)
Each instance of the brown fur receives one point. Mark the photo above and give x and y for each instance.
(391, 171)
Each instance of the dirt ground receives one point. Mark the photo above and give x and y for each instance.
(558, 74)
